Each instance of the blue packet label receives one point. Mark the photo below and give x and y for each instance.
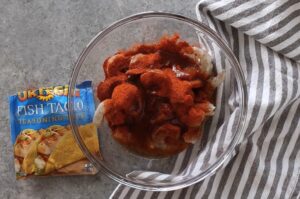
(41, 135)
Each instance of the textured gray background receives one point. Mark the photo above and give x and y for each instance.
(39, 42)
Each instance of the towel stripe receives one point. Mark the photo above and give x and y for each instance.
(288, 144)
(251, 14)
(291, 167)
(270, 22)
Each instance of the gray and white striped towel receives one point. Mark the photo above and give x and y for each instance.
(265, 37)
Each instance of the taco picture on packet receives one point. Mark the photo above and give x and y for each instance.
(51, 149)
(25, 150)
(50, 137)
(41, 135)
(68, 145)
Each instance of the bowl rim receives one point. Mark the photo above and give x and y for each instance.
(228, 153)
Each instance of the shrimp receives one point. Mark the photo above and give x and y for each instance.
(217, 80)
(140, 60)
(210, 87)
(194, 116)
(113, 115)
(123, 135)
(136, 71)
(127, 98)
(157, 82)
(196, 83)
(192, 135)
(99, 114)
(105, 88)
(203, 59)
(166, 132)
(180, 91)
(164, 113)
(126, 101)
(116, 65)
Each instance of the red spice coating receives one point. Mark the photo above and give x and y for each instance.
(157, 97)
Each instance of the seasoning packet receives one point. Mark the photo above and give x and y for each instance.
(41, 135)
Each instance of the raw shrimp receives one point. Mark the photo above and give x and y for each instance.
(196, 114)
(192, 135)
(127, 97)
(116, 65)
(165, 135)
(113, 115)
(105, 88)
(157, 82)
(151, 60)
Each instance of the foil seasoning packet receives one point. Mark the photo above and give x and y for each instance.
(41, 135)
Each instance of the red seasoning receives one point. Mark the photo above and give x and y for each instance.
(157, 96)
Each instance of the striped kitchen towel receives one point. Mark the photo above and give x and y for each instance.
(265, 37)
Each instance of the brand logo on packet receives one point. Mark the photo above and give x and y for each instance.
(45, 94)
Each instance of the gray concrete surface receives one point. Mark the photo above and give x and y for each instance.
(39, 42)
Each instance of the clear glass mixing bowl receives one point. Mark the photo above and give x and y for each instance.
(173, 172)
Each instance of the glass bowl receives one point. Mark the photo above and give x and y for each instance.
(195, 163)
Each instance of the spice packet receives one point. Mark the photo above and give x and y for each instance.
(43, 141)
